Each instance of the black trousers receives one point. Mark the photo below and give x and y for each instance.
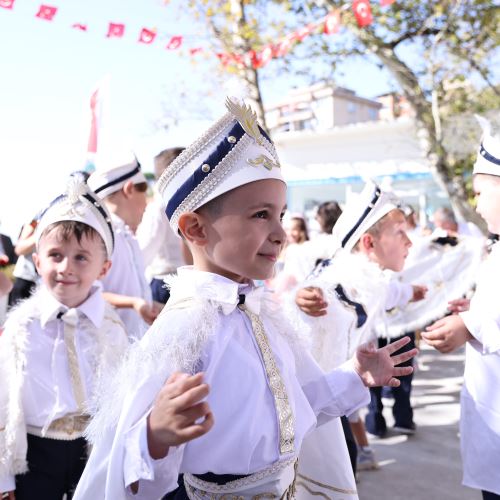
(352, 447)
(402, 410)
(487, 495)
(55, 467)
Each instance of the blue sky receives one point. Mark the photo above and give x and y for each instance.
(49, 71)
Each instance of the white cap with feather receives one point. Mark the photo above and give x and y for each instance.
(79, 204)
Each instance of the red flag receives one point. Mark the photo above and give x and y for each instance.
(223, 58)
(383, 3)
(46, 12)
(79, 26)
(363, 12)
(175, 42)
(332, 22)
(115, 30)
(98, 115)
(7, 4)
(147, 36)
(195, 50)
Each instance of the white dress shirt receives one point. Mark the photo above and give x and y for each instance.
(161, 247)
(480, 401)
(126, 276)
(245, 435)
(35, 363)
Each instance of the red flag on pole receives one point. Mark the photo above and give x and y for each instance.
(332, 23)
(363, 12)
(383, 3)
(7, 4)
(147, 36)
(46, 12)
(115, 30)
(174, 43)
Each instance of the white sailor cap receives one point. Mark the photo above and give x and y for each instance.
(79, 204)
(488, 156)
(113, 170)
(361, 212)
(232, 152)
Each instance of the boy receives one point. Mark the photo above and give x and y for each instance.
(343, 299)
(54, 348)
(479, 329)
(120, 183)
(225, 195)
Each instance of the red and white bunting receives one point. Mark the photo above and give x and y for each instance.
(46, 12)
(7, 4)
(332, 23)
(363, 12)
(383, 3)
(115, 30)
(147, 36)
(174, 43)
(79, 26)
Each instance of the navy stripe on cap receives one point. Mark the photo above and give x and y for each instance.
(488, 156)
(123, 177)
(368, 209)
(101, 210)
(197, 177)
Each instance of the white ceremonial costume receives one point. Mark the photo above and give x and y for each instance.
(480, 402)
(160, 246)
(358, 293)
(202, 329)
(126, 276)
(36, 392)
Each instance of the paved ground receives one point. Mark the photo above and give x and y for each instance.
(426, 466)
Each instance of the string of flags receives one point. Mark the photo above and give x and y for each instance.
(329, 25)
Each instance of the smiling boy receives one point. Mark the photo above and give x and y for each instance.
(53, 350)
(225, 195)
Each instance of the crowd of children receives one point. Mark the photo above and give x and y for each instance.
(197, 381)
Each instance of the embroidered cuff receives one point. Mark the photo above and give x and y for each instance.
(7, 483)
(485, 330)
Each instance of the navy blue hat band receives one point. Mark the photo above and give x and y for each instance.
(122, 178)
(199, 175)
(368, 209)
(488, 156)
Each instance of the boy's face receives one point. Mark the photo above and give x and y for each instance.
(487, 188)
(69, 268)
(244, 237)
(391, 245)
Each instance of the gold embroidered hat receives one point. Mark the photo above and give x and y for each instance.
(361, 212)
(232, 152)
(488, 156)
(79, 204)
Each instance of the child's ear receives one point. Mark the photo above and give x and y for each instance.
(36, 261)
(366, 242)
(128, 188)
(105, 268)
(192, 227)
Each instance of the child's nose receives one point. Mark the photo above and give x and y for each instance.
(64, 265)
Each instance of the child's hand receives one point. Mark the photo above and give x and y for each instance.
(458, 305)
(377, 367)
(178, 406)
(147, 311)
(310, 301)
(4, 260)
(419, 292)
(447, 334)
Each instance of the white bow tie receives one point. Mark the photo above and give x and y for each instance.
(252, 299)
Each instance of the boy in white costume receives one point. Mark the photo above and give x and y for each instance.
(54, 349)
(120, 183)
(226, 196)
(479, 329)
(342, 300)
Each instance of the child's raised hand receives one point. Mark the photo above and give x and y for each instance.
(447, 334)
(419, 292)
(178, 407)
(458, 305)
(378, 367)
(310, 301)
(147, 311)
